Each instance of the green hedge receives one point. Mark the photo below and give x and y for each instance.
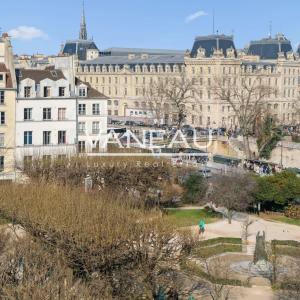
(205, 252)
(286, 243)
(220, 240)
(288, 251)
(193, 269)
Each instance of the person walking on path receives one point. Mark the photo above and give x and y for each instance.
(201, 227)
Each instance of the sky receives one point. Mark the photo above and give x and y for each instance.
(41, 26)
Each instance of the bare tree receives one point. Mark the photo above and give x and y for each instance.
(233, 192)
(175, 94)
(246, 94)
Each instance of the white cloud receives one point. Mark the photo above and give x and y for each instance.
(195, 16)
(27, 33)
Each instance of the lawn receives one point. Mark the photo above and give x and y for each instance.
(280, 218)
(190, 217)
(3, 221)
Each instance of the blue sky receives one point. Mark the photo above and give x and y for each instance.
(41, 26)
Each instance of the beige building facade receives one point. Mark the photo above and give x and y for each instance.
(127, 79)
(8, 91)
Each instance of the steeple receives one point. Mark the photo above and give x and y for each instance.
(83, 30)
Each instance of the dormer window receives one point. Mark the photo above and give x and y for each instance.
(82, 92)
(27, 92)
(53, 73)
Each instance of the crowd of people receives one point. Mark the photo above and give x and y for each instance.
(261, 168)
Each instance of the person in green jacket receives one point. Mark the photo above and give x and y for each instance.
(201, 227)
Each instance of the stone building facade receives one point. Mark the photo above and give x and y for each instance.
(8, 92)
(126, 79)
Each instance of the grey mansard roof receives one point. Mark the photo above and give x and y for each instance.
(115, 51)
(211, 42)
(269, 48)
(78, 47)
(137, 60)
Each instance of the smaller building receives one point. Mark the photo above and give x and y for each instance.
(92, 119)
(49, 114)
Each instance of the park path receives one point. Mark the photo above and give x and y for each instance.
(253, 293)
(273, 230)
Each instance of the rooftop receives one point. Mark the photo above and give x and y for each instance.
(268, 48)
(211, 42)
(79, 47)
(138, 59)
(91, 92)
(39, 75)
(115, 51)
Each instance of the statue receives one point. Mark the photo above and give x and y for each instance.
(260, 248)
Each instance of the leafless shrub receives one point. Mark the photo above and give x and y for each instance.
(95, 236)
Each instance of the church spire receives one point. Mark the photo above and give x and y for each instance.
(83, 30)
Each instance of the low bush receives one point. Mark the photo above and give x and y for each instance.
(288, 251)
(209, 251)
(95, 234)
(194, 269)
(286, 243)
(293, 211)
(219, 240)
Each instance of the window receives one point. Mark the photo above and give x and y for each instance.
(108, 102)
(62, 137)
(1, 163)
(27, 91)
(109, 112)
(96, 127)
(96, 109)
(2, 96)
(1, 77)
(46, 137)
(81, 146)
(81, 127)
(27, 114)
(62, 114)
(82, 92)
(2, 118)
(2, 143)
(27, 137)
(47, 91)
(46, 113)
(81, 109)
(61, 91)
(116, 103)
(116, 113)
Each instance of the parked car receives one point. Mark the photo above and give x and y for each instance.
(205, 172)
